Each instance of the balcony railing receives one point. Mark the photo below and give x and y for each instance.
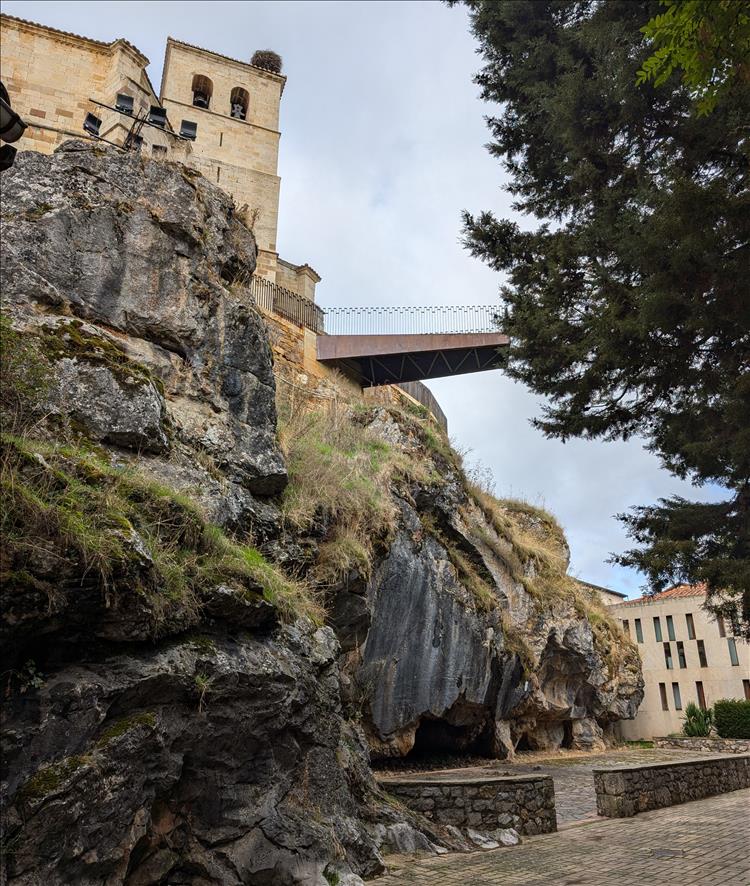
(413, 320)
(271, 297)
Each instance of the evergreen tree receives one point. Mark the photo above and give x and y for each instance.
(629, 303)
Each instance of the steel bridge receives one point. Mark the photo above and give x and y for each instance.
(394, 345)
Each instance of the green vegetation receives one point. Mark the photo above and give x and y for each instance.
(202, 686)
(697, 722)
(122, 529)
(626, 303)
(25, 379)
(732, 718)
(49, 778)
(125, 725)
(109, 524)
(707, 40)
(639, 744)
(71, 340)
(340, 478)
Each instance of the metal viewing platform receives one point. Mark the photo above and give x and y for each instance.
(394, 345)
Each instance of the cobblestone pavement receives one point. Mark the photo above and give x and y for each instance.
(575, 798)
(704, 843)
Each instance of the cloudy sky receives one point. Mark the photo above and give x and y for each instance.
(382, 147)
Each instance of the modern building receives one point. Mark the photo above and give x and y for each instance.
(687, 655)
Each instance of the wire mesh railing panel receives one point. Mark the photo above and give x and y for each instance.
(412, 320)
(417, 320)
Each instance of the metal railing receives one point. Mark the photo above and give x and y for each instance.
(417, 320)
(422, 394)
(269, 296)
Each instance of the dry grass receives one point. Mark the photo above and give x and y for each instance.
(341, 477)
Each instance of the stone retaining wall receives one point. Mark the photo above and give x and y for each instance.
(714, 745)
(624, 791)
(524, 802)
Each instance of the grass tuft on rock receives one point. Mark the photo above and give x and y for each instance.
(341, 477)
(115, 527)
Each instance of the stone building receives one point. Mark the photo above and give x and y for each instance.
(687, 655)
(56, 78)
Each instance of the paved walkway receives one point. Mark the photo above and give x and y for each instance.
(705, 843)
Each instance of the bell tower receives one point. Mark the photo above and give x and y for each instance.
(235, 108)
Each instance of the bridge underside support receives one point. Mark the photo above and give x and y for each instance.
(391, 359)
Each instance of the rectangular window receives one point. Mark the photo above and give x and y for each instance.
(663, 694)
(701, 696)
(677, 698)
(733, 657)
(657, 629)
(668, 656)
(670, 627)
(626, 626)
(702, 654)
(681, 654)
(722, 626)
(638, 630)
(690, 626)
(746, 687)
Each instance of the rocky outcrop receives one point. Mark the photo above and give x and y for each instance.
(198, 761)
(439, 669)
(167, 718)
(152, 735)
(118, 259)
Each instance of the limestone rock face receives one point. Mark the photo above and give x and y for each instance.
(209, 745)
(214, 745)
(438, 672)
(156, 760)
(119, 257)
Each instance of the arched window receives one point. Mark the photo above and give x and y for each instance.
(239, 101)
(203, 89)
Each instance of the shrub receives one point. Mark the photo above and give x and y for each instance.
(697, 722)
(732, 718)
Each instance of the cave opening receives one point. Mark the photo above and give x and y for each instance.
(523, 743)
(439, 743)
(567, 741)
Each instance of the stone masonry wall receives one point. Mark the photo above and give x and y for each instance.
(715, 745)
(625, 791)
(526, 803)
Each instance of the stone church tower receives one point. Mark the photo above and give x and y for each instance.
(228, 108)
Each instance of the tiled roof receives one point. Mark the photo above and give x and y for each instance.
(228, 58)
(588, 584)
(697, 590)
(25, 21)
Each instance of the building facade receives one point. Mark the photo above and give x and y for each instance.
(56, 78)
(687, 655)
